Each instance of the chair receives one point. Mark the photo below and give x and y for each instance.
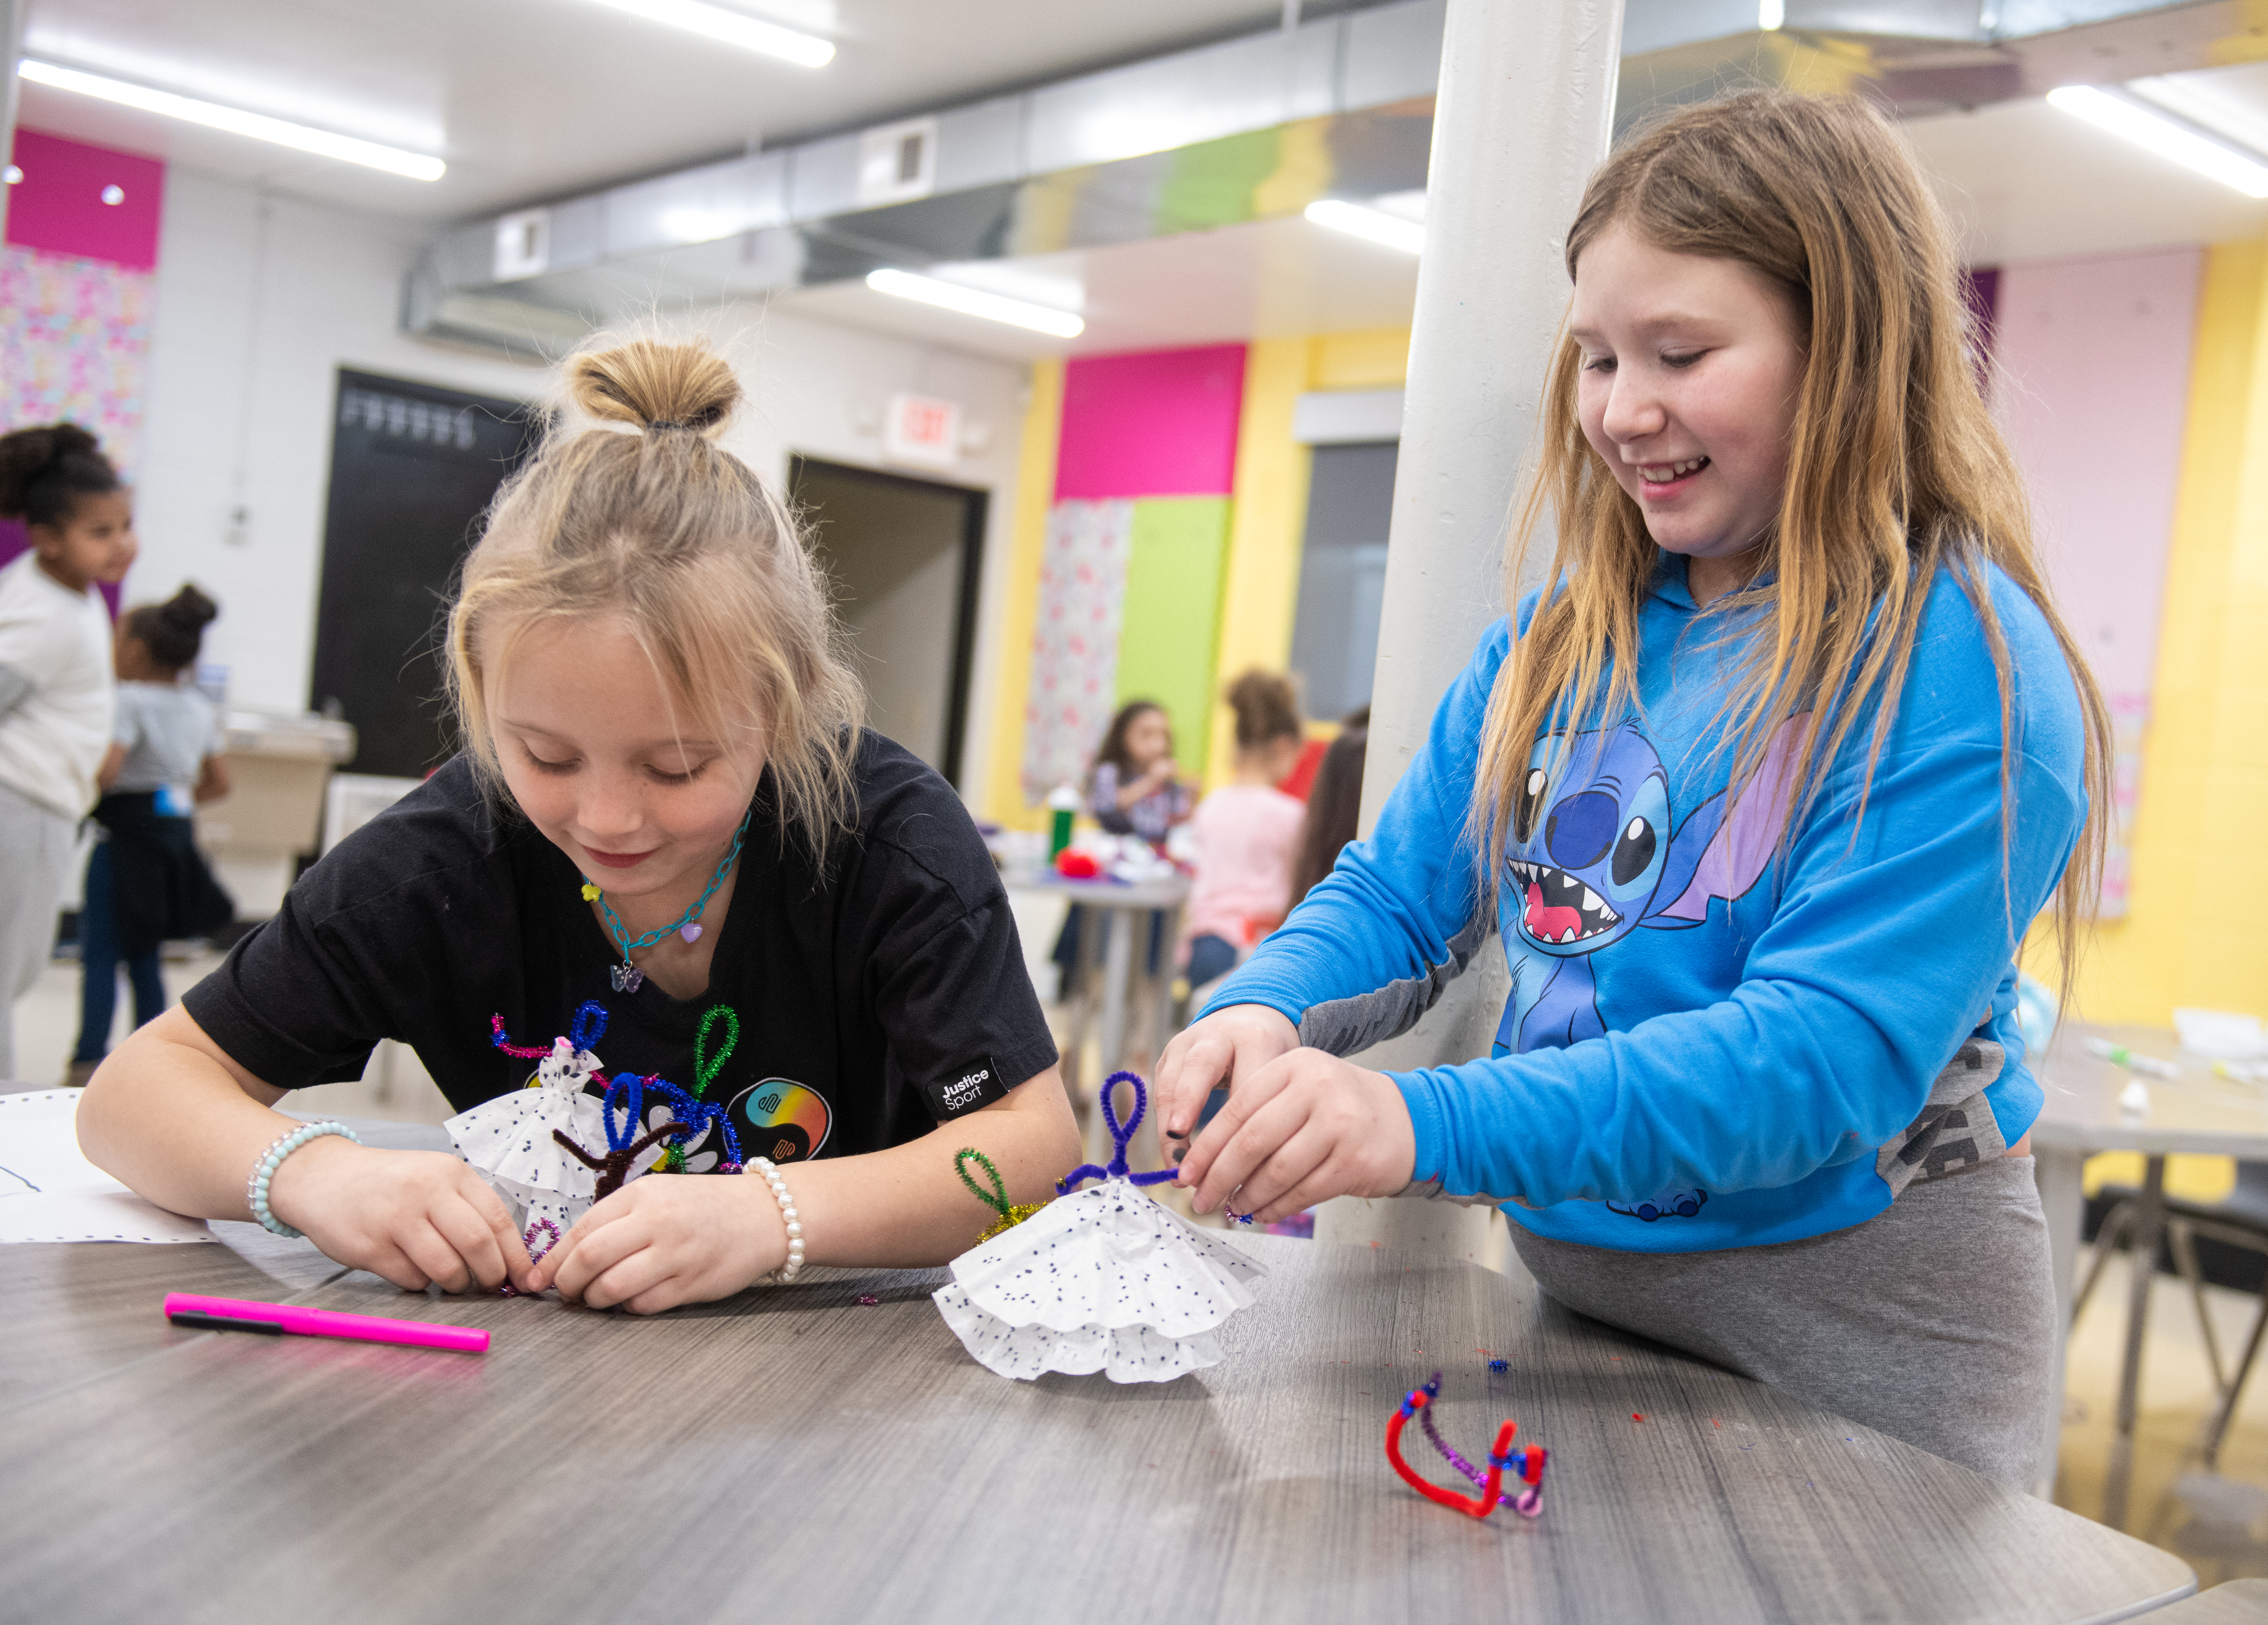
(2241, 1223)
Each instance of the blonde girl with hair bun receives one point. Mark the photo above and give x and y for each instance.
(668, 852)
(1760, 797)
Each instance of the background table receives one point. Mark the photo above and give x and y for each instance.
(1114, 937)
(2194, 1113)
(796, 1454)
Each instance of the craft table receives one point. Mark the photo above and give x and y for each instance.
(796, 1455)
(2194, 1113)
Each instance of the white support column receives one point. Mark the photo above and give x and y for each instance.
(14, 15)
(1524, 108)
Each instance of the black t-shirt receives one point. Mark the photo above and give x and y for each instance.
(876, 996)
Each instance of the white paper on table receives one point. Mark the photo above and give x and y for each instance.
(50, 1192)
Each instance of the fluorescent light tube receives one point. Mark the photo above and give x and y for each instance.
(1372, 224)
(805, 50)
(235, 121)
(975, 302)
(2163, 137)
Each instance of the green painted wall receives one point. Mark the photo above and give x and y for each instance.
(1172, 625)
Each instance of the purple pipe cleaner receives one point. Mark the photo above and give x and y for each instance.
(1121, 1136)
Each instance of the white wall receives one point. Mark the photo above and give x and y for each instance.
(818, 390)
(261, 299)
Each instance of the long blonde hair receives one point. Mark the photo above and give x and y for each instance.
(1894, 470)
(679, 537)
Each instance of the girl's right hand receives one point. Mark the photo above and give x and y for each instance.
(1227, 1045)
(416, 1217)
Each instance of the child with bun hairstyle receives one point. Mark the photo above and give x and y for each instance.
(1246, 832)
(1760, 797)
(146, 881)
(667, 842)
(57, 691)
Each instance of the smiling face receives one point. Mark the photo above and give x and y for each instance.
(94, 542)
(582, 722)
(1149, 739)
(1691, 368)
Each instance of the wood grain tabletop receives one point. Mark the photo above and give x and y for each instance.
(796, 1455)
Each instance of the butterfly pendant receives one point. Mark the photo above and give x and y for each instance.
(626, 977)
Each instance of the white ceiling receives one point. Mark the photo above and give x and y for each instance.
(530, 99)
(535, 98)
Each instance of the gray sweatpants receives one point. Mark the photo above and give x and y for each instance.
(1933, 1323)
(36, 846)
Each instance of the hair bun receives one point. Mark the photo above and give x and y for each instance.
(189, 609)
(28, 453)
(656, 386)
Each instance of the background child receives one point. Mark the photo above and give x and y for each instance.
(55, 684)
(1246, 831)
(1759, 799)
(1135, 790)
(1135, 787)
(146, 882)
(669, 840)
(1334, 806)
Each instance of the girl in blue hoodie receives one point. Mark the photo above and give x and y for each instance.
(1760, 797)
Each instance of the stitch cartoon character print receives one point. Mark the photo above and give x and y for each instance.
(1597, 852)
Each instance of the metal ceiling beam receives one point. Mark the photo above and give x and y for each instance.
(1245, 129)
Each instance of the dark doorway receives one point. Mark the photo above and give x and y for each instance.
(905, 555)
(413, 467)
(1343, 574)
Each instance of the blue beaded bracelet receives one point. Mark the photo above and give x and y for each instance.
(255, 1188)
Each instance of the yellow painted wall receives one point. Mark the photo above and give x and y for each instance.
(1035, 490)
(2196, 931)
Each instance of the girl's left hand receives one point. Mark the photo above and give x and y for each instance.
(668, 1239)
(1305, 1127)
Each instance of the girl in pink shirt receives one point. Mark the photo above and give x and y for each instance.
(1247, 832)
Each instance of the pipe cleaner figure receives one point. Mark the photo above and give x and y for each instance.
(1011, 1214)
(1526, 1465)
(625, 1098)
(1100, 1280)
(509, 1143)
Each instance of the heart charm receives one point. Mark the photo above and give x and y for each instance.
(691, 932)
(626, 978)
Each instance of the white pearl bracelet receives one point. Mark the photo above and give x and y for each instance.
(788, 1271)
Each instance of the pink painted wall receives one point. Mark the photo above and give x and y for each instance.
(2093, 365)
(1159, 423)
(57, 206)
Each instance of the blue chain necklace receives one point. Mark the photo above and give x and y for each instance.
(626, 975)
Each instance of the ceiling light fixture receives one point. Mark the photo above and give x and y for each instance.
(1772, 15)
(805, 50)
(975, 302)
(1372, 224)
(2164, 137)
(235, 121)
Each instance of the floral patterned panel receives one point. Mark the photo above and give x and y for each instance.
(1075, 642)
(75, 343)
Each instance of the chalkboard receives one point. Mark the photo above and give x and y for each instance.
(413, 468)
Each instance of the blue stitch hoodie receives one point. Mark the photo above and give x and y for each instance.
(1709, 1042)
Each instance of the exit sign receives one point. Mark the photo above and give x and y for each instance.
(918, 430)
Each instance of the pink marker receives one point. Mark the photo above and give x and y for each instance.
(239, 1315)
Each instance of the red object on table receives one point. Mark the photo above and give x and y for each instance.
(1074, 864)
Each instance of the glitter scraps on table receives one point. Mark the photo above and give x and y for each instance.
(1103, 1280)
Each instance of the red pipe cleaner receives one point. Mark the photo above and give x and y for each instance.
(1528, 1463)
